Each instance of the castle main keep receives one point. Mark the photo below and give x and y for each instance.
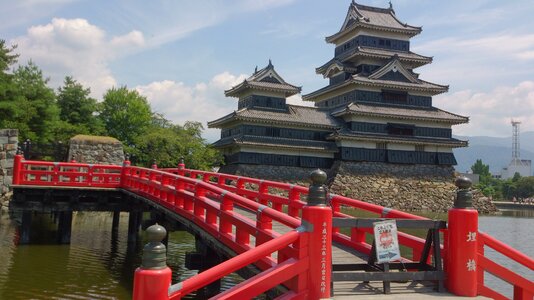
(375, 116)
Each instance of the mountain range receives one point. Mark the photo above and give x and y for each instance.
(494, 151)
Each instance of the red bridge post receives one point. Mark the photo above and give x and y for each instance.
(17, 167)
(153, 279)
(462, 247)
(317, 220)
(181, 167)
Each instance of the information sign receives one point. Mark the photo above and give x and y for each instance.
(386, 240)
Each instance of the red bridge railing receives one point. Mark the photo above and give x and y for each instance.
(210, 200)
(523, 288)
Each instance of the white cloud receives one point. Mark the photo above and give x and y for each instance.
(76, 47)
(482, 62)
(490, 112)
(201, 102)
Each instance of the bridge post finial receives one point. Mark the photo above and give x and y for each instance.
(181, 164)
(155, 253)
(462, 243)
(464, 197)
(153, 279)
(317, 191)
(317, 222)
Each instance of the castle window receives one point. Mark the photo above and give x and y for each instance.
(400, 129)
(395, 97)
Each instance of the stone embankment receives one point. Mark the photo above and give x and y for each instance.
(96, 150)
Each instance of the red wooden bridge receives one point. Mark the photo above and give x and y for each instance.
(293, 237)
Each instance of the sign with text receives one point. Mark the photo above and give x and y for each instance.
(386, 240)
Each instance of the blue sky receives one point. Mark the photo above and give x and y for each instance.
(183, 54)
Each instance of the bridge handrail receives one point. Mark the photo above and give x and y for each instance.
(215, 190)
(495, 244)
(202, 279)
(523, 288)
(67, 174)
(243, 186)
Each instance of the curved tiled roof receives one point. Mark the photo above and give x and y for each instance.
(401, 139)
(406, 56)
(276, 142)
(294, 115)
(374, 18)
(266, 79)
(401, 112)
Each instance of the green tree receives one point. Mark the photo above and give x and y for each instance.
(482, 170)
(168, 143)
(10, 112)
(78, 110)
(125, 114)
(7, 59)
(524, 187)
(32, 108)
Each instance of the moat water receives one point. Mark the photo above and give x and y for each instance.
(100, 265)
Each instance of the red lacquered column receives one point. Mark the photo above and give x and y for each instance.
(317, 221)
(462, 243)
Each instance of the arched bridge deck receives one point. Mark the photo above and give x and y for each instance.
(270, 226)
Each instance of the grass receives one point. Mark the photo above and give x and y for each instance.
(94, 139)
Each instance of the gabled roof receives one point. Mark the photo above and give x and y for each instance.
(275, 142)
(401, 112)
(362, 16)
(334, 66)
(413, 59)
(266, 79)
(394, 65)
(346, 134)
(301, 116)
(421, 85)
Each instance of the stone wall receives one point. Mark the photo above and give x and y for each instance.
(8, 148)
(405, 187)
(96, 150)
(9, 139)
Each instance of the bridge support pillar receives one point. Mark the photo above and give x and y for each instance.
(64, 227)
(26, 223)
(134, 218)
(115, 221)
(203, 259)
(462, 252)
(317, 220)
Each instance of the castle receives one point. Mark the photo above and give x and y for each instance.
(375, 114)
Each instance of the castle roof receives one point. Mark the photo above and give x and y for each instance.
(346, 134)
(294, 115)
(414, 59)
(275, 142)
(401, 112)
(362, 16)
(266, 79)
(376, 79)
